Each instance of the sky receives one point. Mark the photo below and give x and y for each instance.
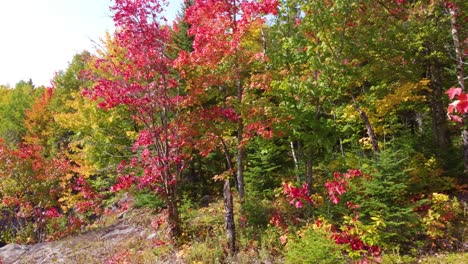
(40, 37)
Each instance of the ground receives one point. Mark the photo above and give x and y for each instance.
(116, 238)
(137, 236)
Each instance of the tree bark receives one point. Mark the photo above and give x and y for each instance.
(439, 115)
(309, 179)
(173, 210)
(240, 173)
(240, 148)
(370, 130)
(296, 162)
(419, 121)
(458, 49)
(460, 76)
(229, 206)
(229, 218)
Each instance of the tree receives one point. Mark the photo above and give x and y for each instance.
(455, 11)
(182, 40)
(38, 121)
(219, 44)
(220, 70)
(32, 187)
(141, 80)
(13, 104)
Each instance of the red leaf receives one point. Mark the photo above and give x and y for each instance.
(451, 107)
(297, 195)
(455, 118)
(462, 107)
(463, 97)
(452, 92)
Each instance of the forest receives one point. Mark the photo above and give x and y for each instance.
(280, 131)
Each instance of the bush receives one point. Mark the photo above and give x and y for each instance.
(209, 251)
(442, 221)
(385, 193)
(314, 246)
(145, 199)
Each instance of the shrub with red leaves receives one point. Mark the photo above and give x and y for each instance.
(297, 195)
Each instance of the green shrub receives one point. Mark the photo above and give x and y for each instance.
(450, 258)
(257, 211)
(266, 165)
(147, 200)
(385, 193)
(209, 251)
(394, 257)
(314, 246)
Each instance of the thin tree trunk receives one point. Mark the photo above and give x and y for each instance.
(191, 178)
(341, 140)
(439, 114)
(442, 133)
(309, 179)
(240, 122)
(341, 148)
(240, 173)
(419, 121)
(174, 221)
(296, 162)
(460, 76)
(457, 46)
(264, 43)
(229, 207)
(240, 148)
(229, 218)
(370, 130)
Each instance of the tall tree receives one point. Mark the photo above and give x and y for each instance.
(142, 82)
(220, 69)
(38, 121)
(14, 102)
(456, 15)
(219, 30)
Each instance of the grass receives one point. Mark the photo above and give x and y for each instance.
(450, 258)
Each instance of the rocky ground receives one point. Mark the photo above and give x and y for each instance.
(89, 247)
(125, 233)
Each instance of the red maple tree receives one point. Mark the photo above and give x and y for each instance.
(140, 78)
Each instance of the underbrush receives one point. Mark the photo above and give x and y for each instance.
(273, 231)
(204, 237)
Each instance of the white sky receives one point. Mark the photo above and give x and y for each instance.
(40, 37)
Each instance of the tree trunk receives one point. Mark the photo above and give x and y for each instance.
(240, 173)
(240, 148)
(229, 218)
(296, 162)
(439, 123)
(264, 43)
(229, 206)
(460, 76)
(439, 115)
(457, 46)
(370, 130)
(419, 121)
(173, 211)
(309, 179)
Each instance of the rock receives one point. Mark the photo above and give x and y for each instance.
(12, 252)
(205, 200)
(95, 246)
(121, 215)
(119, 231)
(89, 247)
(151, 236)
